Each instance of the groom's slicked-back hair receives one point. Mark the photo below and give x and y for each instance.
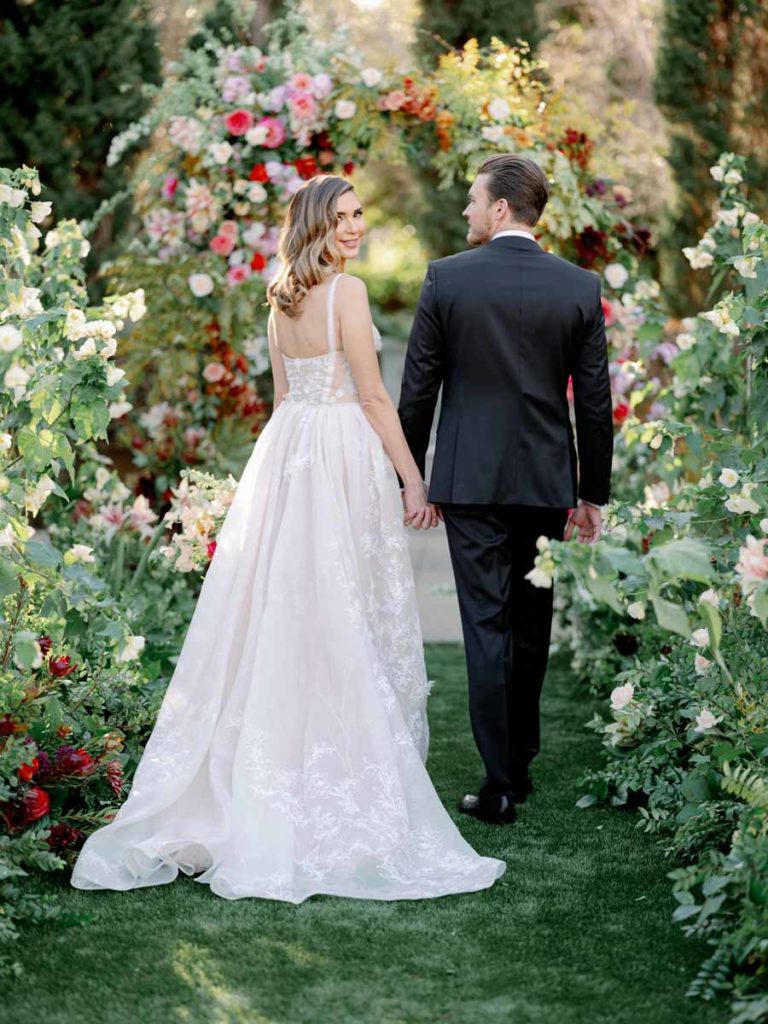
(518, 180)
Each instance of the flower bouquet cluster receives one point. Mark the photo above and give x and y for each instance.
(198, 508)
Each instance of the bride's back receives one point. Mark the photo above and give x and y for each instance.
(307, 336)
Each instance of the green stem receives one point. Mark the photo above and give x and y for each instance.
(119, 564)
(141, 567)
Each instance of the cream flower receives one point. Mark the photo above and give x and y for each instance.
(499, 109)
(700, 637)
(345, 109)
(636, 610)
(746, 266)
(131, 648)
(371, 77)
(705, 720)
(709, 597)
(729, 478)
(701, 664)
(621, 696)
(200, 284)
(685, 341)
(10, 338)
(617, 275)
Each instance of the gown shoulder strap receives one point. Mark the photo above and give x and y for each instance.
(331, 319)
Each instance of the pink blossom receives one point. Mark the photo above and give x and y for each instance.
(112, 516)
(275, 132)
(303, 105)
(238, 274)
(301, 81)
(753, 563)
(222, 244)
(228, 228)
(239, 122)
(322, 85)
(394, 100)
(170, 185)
(214, 372)
(235, 88)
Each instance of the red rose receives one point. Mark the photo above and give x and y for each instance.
(608, 312)
(621, 412)
(60, 666)
(26, 771)
(305, 167)
(349, 167)
(211, 549)
(259, 173)
(258, 262)
(239, 122)
(36, 803)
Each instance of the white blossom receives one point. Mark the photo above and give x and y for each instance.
(617, 275)
(700, 637)
(345, 109)
(701, 664)
(636, 610)
(10, 338)
(729, 478)
(131, 648)
(200, 284)
(621, 696)
(371, 77)
(705, 720)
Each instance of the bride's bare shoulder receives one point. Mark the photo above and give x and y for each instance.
(351, 291)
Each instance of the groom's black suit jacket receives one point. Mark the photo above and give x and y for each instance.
(502, 327)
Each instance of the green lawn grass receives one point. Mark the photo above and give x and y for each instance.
(578, 931)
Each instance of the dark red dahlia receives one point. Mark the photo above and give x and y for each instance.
(64, 837)
(74, 761)
(60, 666)
(45, 645)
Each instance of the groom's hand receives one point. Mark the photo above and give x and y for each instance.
(588, 520)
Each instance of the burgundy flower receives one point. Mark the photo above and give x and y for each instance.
(71, 761)
(64, 837)
(10, 725)
(115, 776)
(641, 240)
(60, 666)
(596, 188)
(35, 804)
(591, 246)
(45, 768)
(45, 645)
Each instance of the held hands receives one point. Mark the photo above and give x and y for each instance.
(417, 511)
(587, 519)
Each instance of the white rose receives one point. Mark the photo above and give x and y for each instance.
(746, 266)
(616, 274)
(345, 109)
(733, 177)
(10, 338)
(200, 284)
(636, 610)
(622, 696)
(257, 193)
(717, 172)
(729, 217)
(253, 233)
(710, 597)
(498, 109)
(257, 135)
(220, 152)
(729, 478)
(132, 648)
(371, 77)
(16, 377)
(700, 637)
(705, 720)
(12, 196)
(701, 664)
(40, 211)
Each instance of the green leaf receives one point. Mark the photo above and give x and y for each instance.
(760, 604)
(8, 577)
(683, 913)
(711, 615)
(684, 559)
(42, 553)
(670, 616)
(602, 588)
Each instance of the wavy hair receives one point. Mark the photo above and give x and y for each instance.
(307, 246)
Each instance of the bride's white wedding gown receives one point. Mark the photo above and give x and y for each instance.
(288, 754)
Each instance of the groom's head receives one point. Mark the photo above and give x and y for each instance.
(509, 192)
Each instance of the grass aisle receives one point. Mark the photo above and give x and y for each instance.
(577, 931)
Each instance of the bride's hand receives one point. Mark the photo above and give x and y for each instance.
(418, 513)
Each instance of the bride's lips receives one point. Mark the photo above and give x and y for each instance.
(352, 243)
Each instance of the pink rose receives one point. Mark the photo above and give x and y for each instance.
(170, 185)
(238, 274)
(213, 372)
(275, 132)
(322, 85)
(222, 244)
(228, 228)
(301, 82)
(608, 312)
(303, 105)
(239, 122)
(394, 100)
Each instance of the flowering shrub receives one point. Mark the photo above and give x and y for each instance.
(199, 506)
(74, 705)
(685, 576)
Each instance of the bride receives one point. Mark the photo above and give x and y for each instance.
(288, 754)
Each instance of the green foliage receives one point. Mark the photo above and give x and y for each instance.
(710, 84)
(444, 26)
(73, 77)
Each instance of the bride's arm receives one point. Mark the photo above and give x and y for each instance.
(357, 342)
(279, 376)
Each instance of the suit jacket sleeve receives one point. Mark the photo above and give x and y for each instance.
(594, 409)
(423, 373)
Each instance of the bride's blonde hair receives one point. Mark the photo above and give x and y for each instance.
(307, 246)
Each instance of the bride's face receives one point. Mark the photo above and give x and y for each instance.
(350, 225)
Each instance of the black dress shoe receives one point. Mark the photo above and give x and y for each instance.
(499, 812)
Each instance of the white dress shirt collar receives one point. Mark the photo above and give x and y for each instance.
(513, 231)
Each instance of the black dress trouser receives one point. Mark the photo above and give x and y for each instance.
(507, 624)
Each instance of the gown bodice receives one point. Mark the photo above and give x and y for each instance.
(323, 379)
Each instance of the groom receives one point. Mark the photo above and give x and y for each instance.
(502, 327)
